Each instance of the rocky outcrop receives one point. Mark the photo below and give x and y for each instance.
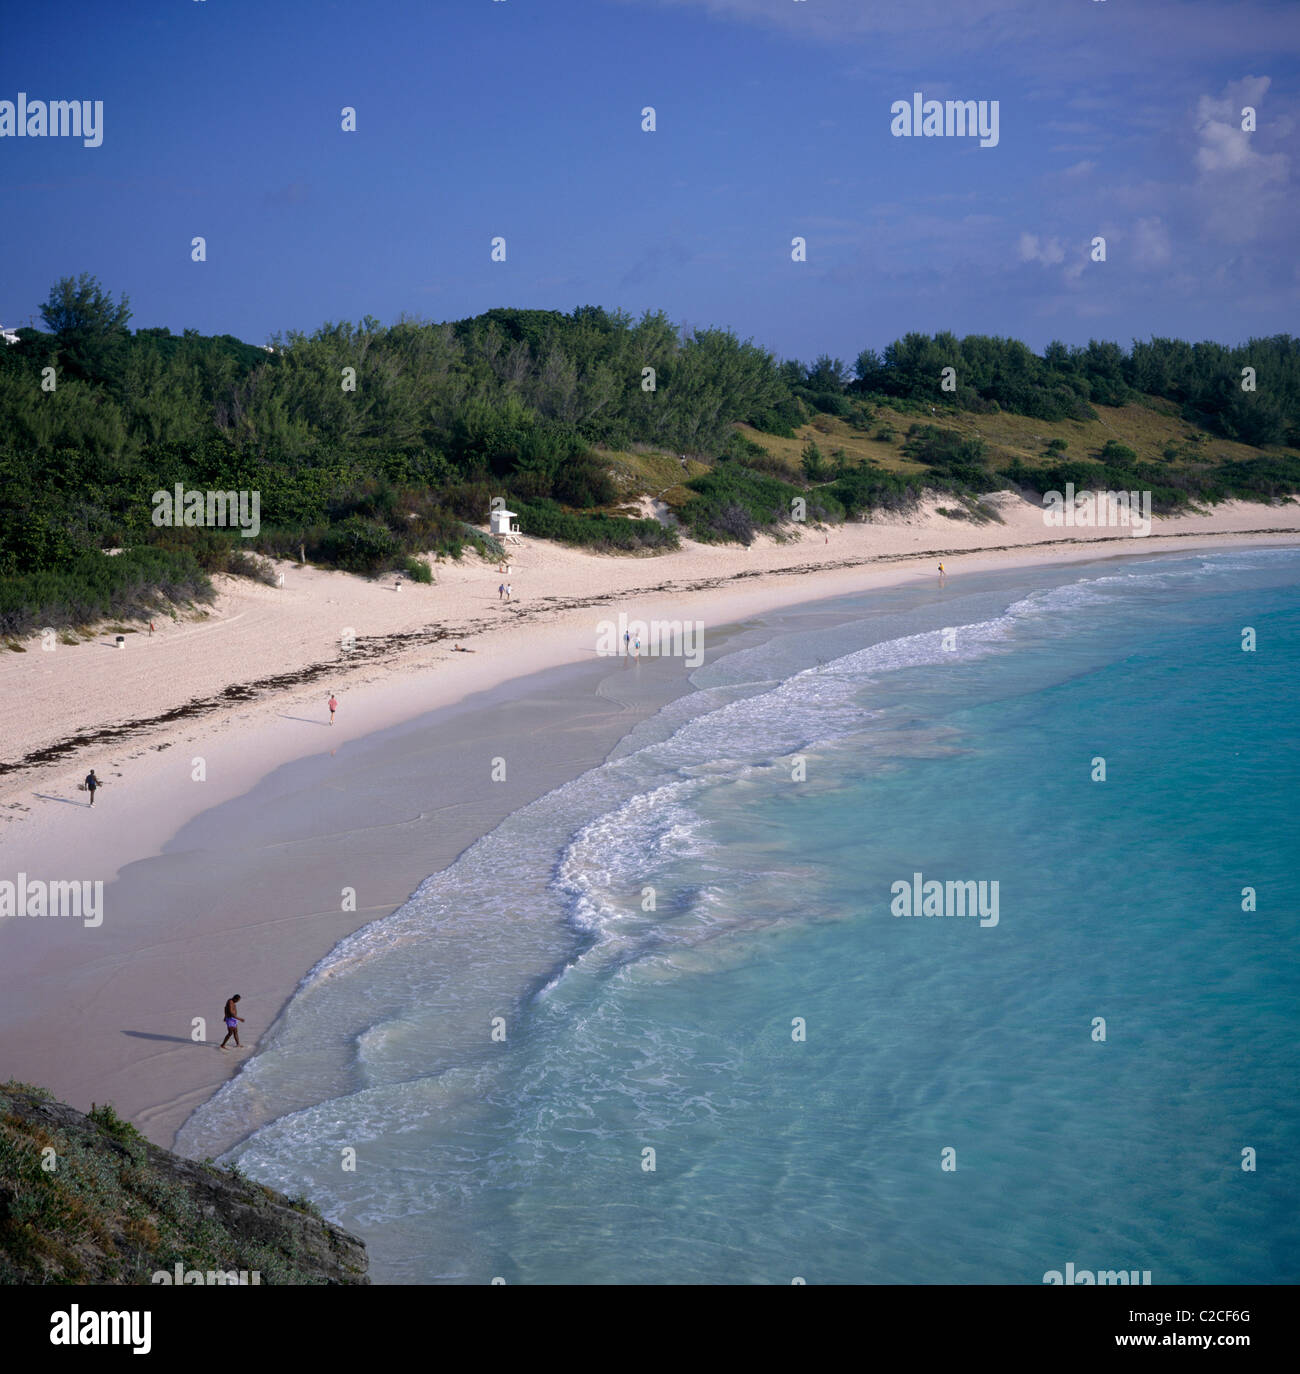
(85, 1198)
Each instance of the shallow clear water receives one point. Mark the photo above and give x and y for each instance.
(771, 812)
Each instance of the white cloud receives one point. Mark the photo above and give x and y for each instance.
(1224, 145)
(1241, 190)
(1049, 252)
(1151, 242)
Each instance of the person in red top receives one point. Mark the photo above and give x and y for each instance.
(334, 706)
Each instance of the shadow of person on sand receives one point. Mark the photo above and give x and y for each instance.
(179, 1039)
(67, 801)
(305, 720)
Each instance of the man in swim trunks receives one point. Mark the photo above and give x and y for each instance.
(334, 706)
(92, 782)
(232, 1023)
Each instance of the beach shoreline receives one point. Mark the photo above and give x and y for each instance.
(245, 748)
(264, 654)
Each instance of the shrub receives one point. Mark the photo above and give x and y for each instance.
(583, 482)
(599, 531)
(133, 585)
(781, 419)
(959, 459)
(764, 501)
(357, 545)
(864, 491)
(827, 403)
(741, 446)
(812, 462)
(107, 1119)
(733, 521)
(242, 564)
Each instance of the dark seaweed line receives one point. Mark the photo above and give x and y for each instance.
(375, 647)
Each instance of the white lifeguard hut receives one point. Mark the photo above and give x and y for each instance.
(500, 522)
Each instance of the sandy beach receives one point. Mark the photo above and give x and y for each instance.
(260, 663)
(191, 729)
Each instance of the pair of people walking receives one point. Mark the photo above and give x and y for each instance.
(504, 591)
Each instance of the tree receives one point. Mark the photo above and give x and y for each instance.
(79, 305)
(89, 326)
(869, 370)
(813, 464)
(828, 374)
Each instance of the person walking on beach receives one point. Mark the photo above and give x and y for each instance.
(627, 640)
(509, 591)
(334, 706)
(501, 592)
(942, 574)
(92, 782)
(232, 1023)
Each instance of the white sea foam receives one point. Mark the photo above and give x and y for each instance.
(495, 930)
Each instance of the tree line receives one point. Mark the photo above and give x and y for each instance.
(369, 443)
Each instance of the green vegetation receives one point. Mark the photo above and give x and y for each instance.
(958, 463)
(366, 445)
(548, 520)
(86, 1199)
(1259, 479)
(136, 583)
(370, 446)
(864, 492)
(1203, 380)
(106, 1117)
(814, 465)
(733, 502)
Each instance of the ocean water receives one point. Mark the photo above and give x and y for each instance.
(687, 959)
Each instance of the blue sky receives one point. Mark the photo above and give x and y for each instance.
(522, 118)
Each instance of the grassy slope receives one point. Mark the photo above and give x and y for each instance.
(115, 1208)
(1148, 428)
(652, 474)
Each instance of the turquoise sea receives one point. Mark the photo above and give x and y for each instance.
(690, 950)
